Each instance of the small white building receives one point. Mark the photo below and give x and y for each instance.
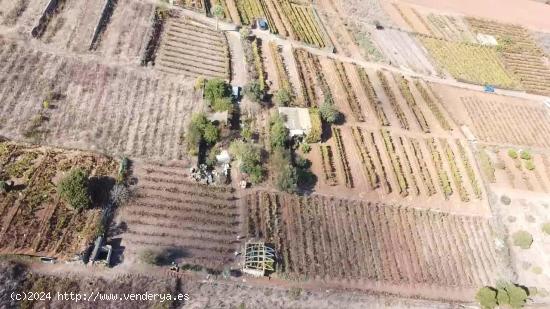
(297, 120)
(486, 39)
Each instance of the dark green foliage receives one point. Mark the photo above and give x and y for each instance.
(253, 91)
(222, 104)
(278, 133)
(250, 158)
(487, 297)
(74, 189)
(286, 176)
(329, 112)
(215, 89)
(505, 295)
(200, 129)
(282, 97)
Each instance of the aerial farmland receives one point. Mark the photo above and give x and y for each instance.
(275, 154)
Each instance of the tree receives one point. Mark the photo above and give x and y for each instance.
(250, 160)
(522, 239)
(487, 297)
(286, 176)
(283, 97)
(211, 134)
(253, 91)
(215, 89)
(278, 133)
(217, 10)
(74, 189)
(329, 112)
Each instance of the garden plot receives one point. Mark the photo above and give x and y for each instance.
(365, 11)
(382, 165)
(193, 49)
(64, 101)
(543, 40)
(403, 51)
(125, 37)
(35, 220)
(172, 212)
(498, 119)
(519, 53)
(470, 63)
(339, 241)
(196, 5)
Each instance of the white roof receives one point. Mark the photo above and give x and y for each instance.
(297, 120)
(223, 157)
(486, 39)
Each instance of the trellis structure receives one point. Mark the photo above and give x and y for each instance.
(258, 258)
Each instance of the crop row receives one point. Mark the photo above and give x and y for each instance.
(305, 76)
(432, 105)
(252, 10)
(469, 169)
(258, 62)
(282, 74)
(372, 97)
(455, 172)
(403, 122)
(408, 167)
(343, 157)
(396, 163)
(440, 170)
(411, 102)
(304, 23)
(423, 167)
(329, 169)
(469, 62)
(366, 159)
(351, 97)
(501, 122)
(332, 239)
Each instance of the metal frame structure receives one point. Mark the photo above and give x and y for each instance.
(258, 258)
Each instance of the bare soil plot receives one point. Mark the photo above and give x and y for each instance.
(403, 51)
(528, 212)
(193, 49)
(91, 105)
(322, 238)
(35, 220)
(170, 211)
(125, 37)
(498, 119)
(366, 11)
(543, 39)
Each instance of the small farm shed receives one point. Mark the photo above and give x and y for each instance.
(297, 120)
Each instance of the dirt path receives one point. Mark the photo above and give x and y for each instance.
(266, 37)
(238, 62)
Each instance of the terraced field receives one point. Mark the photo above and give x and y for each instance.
(193, 49)
(34, 220)
(91, 105)
(520, 54)
(323, 238)
(170, 211)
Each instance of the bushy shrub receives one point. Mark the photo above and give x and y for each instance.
(278, 133)
(154, 256)
(522, 239)
(512, 153)
(316, 131)
(526, 155)
(329, 112)
(250, 158)
(286, 177)
(306, 148)
(199, 129)
(222, 104)
(487, 297)
(211, 134)
(74, 189)
(530, 165)
(215, 89)
(282, 97)
(253, 91)
(546, 228)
